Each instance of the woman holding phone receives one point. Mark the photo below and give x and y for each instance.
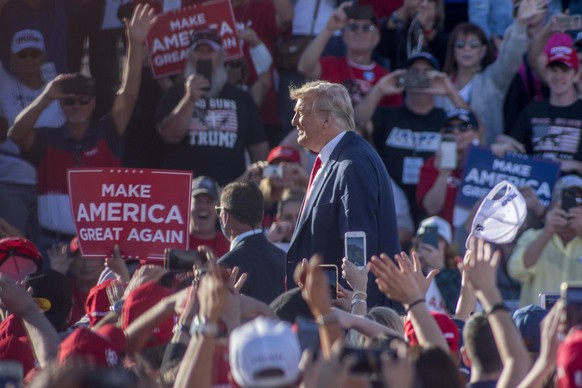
(440, 174)
(433, 245)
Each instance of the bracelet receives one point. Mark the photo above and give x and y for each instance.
(410, 306)
(327, 319)
(356, 293)
(498, 307)
(354, 301)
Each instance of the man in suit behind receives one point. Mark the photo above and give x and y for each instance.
(240, 214)
(350, 191)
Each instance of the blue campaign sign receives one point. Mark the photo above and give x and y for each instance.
(483, 171)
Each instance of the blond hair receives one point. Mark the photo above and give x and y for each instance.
(330, 98)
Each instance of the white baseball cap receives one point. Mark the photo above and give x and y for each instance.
(264, 353)
(500, 215)
(443, 227)
(27, 39)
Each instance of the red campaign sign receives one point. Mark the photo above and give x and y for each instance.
(143, 211)
(169, 38)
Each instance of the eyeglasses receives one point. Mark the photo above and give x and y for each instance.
(219, 209)
(473, 43)
(364, 27)
(33, 54)
(70, 101)
(462, 128)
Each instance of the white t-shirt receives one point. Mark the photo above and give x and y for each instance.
(434, 299)
(14, 97)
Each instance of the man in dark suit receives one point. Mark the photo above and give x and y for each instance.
(241, 214)
(350, 191)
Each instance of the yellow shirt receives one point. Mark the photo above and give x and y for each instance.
(557, 263)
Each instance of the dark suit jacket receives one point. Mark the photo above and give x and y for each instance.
(352, 193)
(264, 264)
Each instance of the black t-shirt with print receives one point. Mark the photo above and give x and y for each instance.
(220, 131)
(404, 141)
(551, 132)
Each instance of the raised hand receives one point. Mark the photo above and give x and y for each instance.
(117, 264)
(397, 281)
(59, 257)
(356, 277)
(314, 285)
(338, 18)
(141, 22)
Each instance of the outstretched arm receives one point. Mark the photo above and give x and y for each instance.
(137, 30)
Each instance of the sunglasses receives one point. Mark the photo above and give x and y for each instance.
(34, 54)
(473, 43)
(70, 101)
(365, 27)
(462, 128)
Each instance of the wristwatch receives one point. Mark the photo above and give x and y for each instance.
(201, 326)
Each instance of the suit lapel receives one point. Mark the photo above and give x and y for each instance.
(318, 185)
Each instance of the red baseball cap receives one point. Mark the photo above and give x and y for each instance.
(569, 361)
(101, 346)
(98, 304)
(448, 327)
(19, 257)
(284, 153)
(560, 49)
(141, 300)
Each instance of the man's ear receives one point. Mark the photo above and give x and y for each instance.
(465, 357)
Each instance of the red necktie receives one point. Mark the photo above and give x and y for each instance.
(314, 170)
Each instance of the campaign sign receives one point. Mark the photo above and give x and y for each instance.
(483, 171)
(143, 211)
(169, 38)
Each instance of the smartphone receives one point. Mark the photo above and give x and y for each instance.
(355, 248)
(570, 22)
(273, 171)
(359, 12)
(182, 260)
(204, 68)
(331, 273)
(570, 198)
(448, 151)
(367, 360)
(547, 300)
(415, 80)
(430, 236)
(571, 292)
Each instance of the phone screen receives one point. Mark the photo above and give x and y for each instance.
(569, 198)
(356, 250)
(430, 236)
(204, 68)
(331, 274)
(573, 297)
(548, 300)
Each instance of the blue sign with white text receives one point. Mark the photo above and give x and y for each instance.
(483, 171)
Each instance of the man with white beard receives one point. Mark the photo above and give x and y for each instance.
(208, 124)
